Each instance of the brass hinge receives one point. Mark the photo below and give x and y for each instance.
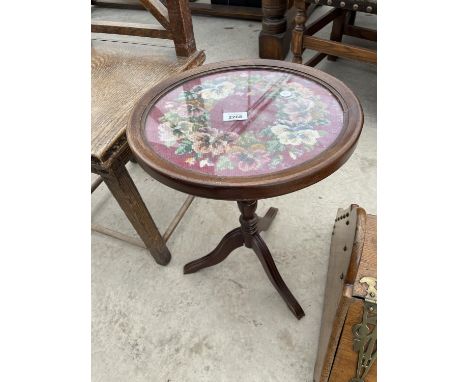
(365, 333)
(371, 288)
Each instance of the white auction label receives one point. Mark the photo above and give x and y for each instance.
(239, 116)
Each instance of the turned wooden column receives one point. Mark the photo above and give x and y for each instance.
(274, 37)
(248, 221)
(298, 32)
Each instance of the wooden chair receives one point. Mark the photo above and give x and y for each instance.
(122, 71)
(277, 17)
(343, 16)
(196, 8)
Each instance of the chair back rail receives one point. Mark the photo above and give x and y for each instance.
(175, 24)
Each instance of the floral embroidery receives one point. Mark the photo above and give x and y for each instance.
(207, 140)
(250, 160)
(295, 135)
(290, 120)
(217, 90)
(190, 161)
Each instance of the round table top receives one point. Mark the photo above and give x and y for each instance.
(242, 130)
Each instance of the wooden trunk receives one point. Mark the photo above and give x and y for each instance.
(348, 346)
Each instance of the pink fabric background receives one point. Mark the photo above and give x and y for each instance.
(263, 116)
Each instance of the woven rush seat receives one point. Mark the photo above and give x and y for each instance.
(121, 73)
(127, 59)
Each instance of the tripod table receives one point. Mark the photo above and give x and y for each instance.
(244, 131)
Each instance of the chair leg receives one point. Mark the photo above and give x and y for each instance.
(337, 31)
(123, 189)
(351, 18)
(298, 31)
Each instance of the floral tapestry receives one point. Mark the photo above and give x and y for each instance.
(289, 120)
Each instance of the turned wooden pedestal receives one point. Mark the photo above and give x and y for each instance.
(248, 234)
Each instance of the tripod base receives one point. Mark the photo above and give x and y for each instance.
(248, 234)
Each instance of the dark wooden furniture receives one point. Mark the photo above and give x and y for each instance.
(343, 17)
(204, 9)
(239, 3)
(277, 18)
(348, 337)
(122, 71)
(243, 131)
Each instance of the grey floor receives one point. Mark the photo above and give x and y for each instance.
(226, 323)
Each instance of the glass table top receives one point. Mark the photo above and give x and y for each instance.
(243, 122)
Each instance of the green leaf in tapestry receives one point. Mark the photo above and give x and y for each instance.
(200, 120)
(171, 117)
(321, 121)
(274, 146)
(275, 161)
(185, 147)
(247, 139)
(223, 163)
(266, 132)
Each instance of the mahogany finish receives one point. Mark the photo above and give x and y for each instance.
(251, 187)
(246, 190)
(249, 235)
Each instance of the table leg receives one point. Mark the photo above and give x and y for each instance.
(229, 243)
(265, 222)
(264, 255)
(249, 235)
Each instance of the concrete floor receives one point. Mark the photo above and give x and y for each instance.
(226, 323)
